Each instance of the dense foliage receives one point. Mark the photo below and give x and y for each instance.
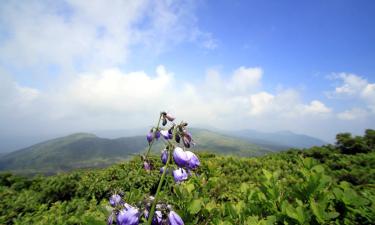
(333, 184)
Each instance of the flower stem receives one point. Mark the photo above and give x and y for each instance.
(147, 153)
(152, 211)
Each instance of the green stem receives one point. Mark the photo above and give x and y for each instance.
(152, 211)
(147, 153)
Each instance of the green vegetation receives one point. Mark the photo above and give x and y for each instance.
(333, 184)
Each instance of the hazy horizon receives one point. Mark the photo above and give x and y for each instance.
(79, 66)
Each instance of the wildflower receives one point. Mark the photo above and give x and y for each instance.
(157, 219)
(164, 156)
(115, 200)
(179, 175)
(180, 157)
(187, 139)
(150, 137)
(146, 165)
(157, 134)
(174, 218)
(166, 134)
(193, 161)
(128, 216)
(169, 117)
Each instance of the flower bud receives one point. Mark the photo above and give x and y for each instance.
(177, 138)
(188, 136)
(157, 134)
(179, 175)
(180, 157)
(164, 156)
(149, 137)
(193, 162)
(186, 142)
(115, 200)
(128, 216)
(164, 121)
(169, 117)
(174, 218)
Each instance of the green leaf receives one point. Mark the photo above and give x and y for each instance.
(195, 206)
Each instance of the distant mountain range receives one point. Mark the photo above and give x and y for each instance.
(277, 141)
(82, 150)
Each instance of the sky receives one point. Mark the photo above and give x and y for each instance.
(74, 65)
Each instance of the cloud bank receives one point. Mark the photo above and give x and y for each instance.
(64, 67)
(112, 99)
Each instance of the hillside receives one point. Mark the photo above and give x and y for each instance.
(73, 151)
(321, 185)
(224, 144)
(84, 150)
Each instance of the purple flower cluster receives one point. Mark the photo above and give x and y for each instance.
(155, 133)
(164, 215)
(124, 213)
(185, 160)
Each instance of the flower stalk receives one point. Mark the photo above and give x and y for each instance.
(147, 153)
(152, 211)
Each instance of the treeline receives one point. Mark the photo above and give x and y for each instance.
(332, 184)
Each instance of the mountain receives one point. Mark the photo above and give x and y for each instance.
(277, 141)
(225, 144)
(73, 151)
(87, 150)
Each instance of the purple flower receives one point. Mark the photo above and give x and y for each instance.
(149, 137)
(186, 142)
(157, 219)
(128, 216)
(174, 219)
(180, 157)
(193, 162)
(179, 175)
(162, 170)
(115, 200)
(165, 134)
(146, 166)
(164, 156)
(188, 136)
(157, 134)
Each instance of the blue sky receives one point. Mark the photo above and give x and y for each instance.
(305, 66)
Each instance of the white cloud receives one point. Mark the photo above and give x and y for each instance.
(351, 86)
(352, 114)
(94, 34)
(355, 87)
(112, 99)
(245, 79)
(316, 107)
(260, 103)
(112, 90)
